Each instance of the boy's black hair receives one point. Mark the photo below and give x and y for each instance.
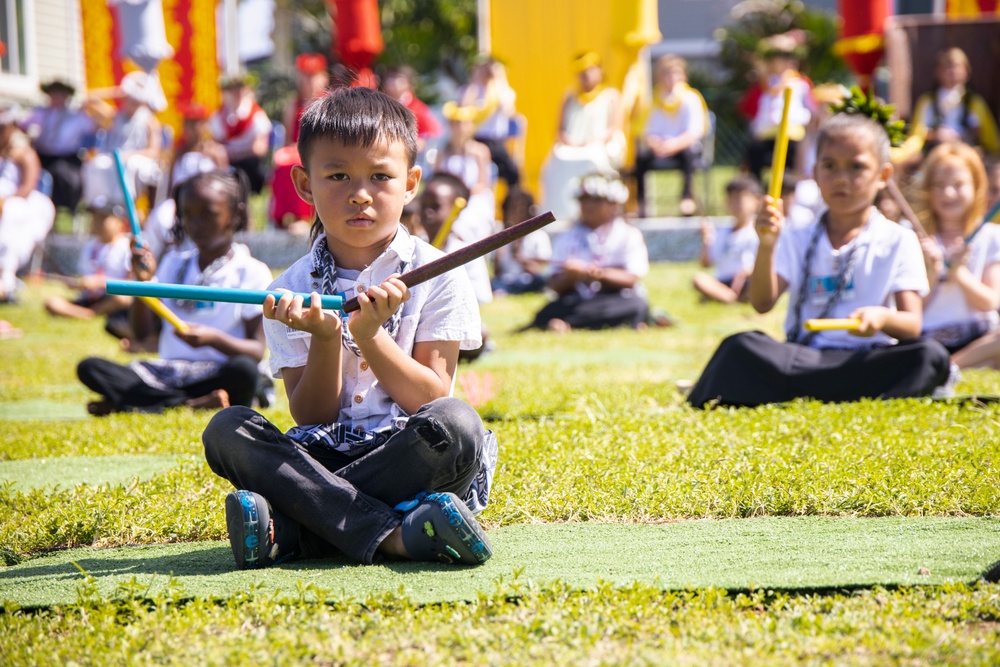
(456, 184)
(236, 185)
(357, 117)
(847, 123)
(744, 183)
(518, 200)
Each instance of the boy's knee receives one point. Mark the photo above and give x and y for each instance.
(459, 419)
(222, 430)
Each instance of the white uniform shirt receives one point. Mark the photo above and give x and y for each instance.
(948, 304)
(241, 271)
(442, 309)
(537, 246)
(615, 244)
(888, 260)
(953, 114)
(690, 117)
(111, 260)
(734, 251)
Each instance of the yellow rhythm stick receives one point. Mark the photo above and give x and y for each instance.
(442, 234)
(842, 324)
(165, 313)
(780, 148)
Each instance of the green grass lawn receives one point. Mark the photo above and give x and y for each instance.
(593, 433)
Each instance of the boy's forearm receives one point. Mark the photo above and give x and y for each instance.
(315, 398)
(409, 383)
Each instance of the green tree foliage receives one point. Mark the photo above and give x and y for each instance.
(430, 36)
(752, 21)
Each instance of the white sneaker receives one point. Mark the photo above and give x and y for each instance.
(947, 390)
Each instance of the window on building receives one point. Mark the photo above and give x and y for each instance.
(12, 34)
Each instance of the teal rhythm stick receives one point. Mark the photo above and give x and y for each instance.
(133, 219)
(203, 293)
(412, 278)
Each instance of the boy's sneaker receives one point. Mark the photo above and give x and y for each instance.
(441, 528)
(260, 536)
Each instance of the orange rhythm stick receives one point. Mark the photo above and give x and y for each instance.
(780, 148)
(165, 313)
(833, 324)
(442, 234)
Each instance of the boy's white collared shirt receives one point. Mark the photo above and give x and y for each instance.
(442, 309)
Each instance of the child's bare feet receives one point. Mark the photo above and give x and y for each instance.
(100, 408)
(218, 399)
(215, 400)
(556, 325)
(9, 331)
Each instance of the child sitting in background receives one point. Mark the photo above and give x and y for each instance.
(213, 363)
(437, 204)
(105, 255)
(850, 263)
(731, 252)
(598, 265)
(520, 266)
(962, 255)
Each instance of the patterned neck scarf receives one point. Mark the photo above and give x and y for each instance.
(206, 275)
(844, 278)
(324, 267)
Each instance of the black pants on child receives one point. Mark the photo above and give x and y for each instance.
(343, 503)
(601, 311)
(752, 369)
(645, 161)
(760, 153)
(125, 390)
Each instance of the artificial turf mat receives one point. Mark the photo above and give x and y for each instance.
(68, 471)
(780, 553)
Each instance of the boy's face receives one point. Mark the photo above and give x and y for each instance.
(849, 173)
(105, 226)
(436, 203)
(742, 205)
(359, 193)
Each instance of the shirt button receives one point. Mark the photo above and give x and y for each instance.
(358, 398)
(364, 365)
(360, 289)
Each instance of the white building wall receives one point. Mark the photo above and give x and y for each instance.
(54, 49)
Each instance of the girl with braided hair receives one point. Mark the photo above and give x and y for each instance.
(850, 263)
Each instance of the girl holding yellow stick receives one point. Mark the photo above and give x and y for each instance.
(212, 360)
(850, 263)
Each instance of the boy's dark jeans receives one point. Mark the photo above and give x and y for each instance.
(339, 501)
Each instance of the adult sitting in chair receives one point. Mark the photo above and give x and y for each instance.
(59, 134)
(672, 133)
(590, 137)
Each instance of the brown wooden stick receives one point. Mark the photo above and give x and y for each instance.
(465, 255)
(897, 194)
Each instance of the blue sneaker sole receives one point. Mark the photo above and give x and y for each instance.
(246, 521)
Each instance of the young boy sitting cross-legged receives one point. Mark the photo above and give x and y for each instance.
(383, 463)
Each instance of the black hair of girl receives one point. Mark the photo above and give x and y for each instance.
(842, 124)
(235, 184)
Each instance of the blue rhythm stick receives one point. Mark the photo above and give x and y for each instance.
(133, 219)
(203, 293)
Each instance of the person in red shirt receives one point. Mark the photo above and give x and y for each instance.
(398, 84)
